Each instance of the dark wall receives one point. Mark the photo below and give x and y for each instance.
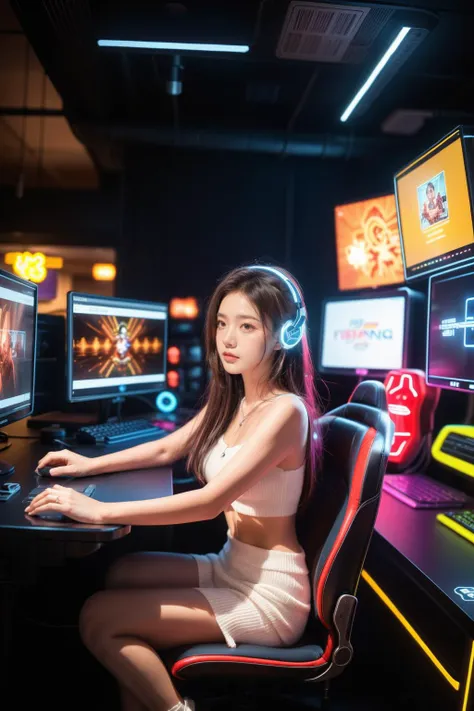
(189, 216)
(89, 218)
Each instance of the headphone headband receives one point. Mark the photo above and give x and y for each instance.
(292, 331)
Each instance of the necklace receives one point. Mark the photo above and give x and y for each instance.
(247, 415)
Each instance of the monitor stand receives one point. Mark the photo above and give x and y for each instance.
(70, 420)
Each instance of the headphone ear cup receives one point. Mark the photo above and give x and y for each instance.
(291, 335)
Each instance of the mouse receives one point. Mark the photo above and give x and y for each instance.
(46, 471)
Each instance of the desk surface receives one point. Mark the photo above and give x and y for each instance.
(431, 553)
(123, 486)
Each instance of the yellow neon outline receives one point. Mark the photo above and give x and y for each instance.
(468, 680)
(448, 459)
(401, 618)
(456, 527)
(429, 152)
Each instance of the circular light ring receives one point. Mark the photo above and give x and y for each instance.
(166, 401)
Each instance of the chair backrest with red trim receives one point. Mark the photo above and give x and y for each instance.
(336, 527)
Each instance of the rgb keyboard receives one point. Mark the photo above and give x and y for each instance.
(422, 492)
(462, 522)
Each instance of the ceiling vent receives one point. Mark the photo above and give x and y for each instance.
(319, 32)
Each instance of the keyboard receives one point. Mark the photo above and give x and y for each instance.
(133, 431)
(462, 522)
(86, 489)
(422, 492)
(459, 446)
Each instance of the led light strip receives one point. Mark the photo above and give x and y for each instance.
(411, 630)
(375, 72)
(176, 46)
(468, 680)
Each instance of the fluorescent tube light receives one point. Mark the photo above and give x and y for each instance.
(375, 72)
(175, 46)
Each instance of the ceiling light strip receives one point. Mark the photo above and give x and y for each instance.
(375, 72)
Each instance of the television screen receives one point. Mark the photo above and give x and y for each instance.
(434, 209)
(364, 335)
(368, 244)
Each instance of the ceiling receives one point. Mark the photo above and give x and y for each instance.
(275, 98)
(37, 146)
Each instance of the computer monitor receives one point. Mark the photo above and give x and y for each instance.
(366, 335)
(434, 204)
(450, 330)
(18, 311)
(115, 347)
(368, 244)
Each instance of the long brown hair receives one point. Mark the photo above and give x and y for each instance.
(292, 370)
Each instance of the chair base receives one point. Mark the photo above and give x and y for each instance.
(309, 697)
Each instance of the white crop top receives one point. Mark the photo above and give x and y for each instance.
(275, 494)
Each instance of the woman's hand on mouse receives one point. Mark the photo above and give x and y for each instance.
(69, 502)
(66, 463)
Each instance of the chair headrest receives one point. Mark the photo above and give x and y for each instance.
(370, 392)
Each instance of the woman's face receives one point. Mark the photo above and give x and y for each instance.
(241, 336)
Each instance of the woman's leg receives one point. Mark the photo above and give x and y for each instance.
(150, 570)
(129, 702)
(122, 629)
(153, 570)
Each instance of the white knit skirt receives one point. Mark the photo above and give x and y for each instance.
(258, 596)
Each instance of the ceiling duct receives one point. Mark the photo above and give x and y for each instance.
(316, 146)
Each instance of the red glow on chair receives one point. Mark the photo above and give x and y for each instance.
(411, 404)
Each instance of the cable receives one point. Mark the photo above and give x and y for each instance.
(9, 436)
(71, 446)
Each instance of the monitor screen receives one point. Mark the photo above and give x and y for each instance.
(18, 311)
(368, 244)
(115, 347)
(364, 335)
(434, 209)
(450, 342)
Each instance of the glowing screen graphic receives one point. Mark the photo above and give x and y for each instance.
(364, 334)
(115, 344)
(450, 351)
(435, 209)
(368, 244)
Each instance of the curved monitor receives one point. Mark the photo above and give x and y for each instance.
(434, 204)
(18, 313)
(114, 347)
(366, 335)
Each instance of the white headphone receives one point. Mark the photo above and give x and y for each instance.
(292, 331)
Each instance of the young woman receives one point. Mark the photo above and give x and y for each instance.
(253, 447)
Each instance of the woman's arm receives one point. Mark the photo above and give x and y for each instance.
(271, 441)
(159, 453)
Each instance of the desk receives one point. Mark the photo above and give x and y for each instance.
(30, 542)
(414, 564)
